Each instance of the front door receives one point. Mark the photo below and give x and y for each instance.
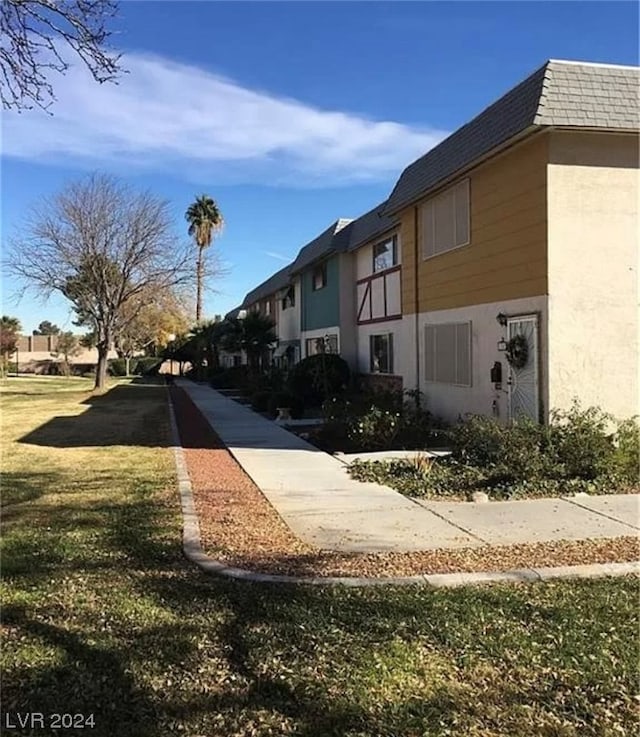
(523, 382)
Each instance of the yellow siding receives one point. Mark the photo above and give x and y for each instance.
(507, 256)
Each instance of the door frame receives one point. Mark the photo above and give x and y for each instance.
(534, 317)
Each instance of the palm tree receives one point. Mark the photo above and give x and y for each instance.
(9, 335)
(254, 335)
(205, 219)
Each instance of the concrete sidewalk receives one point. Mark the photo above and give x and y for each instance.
(313, 493)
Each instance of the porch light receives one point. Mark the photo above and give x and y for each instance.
(502, 345)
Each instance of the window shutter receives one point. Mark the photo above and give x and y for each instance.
(462, 213)
(430, 352)
(448, 353)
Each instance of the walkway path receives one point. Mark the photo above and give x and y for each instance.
(313, 493)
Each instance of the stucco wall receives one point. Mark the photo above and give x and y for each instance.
(449, 401)
(593, 270)
(288, 321)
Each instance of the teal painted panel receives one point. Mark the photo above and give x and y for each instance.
(321, 308)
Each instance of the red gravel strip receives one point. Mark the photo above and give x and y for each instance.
(239, 526)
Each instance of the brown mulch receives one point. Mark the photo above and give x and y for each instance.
(239, 526)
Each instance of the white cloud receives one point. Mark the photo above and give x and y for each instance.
(278, 256)
(165, 115)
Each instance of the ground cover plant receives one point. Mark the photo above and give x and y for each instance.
(578, 451)
(102, 614)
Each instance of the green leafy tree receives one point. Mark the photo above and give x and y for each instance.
(9, 335)
(67, 346)
(47, 328)
(205, 220)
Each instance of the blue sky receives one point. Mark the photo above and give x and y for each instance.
(290, 115)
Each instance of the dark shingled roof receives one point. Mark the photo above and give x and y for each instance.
(232, 314)
(321, 246)
(367, 227)
(277, 281)
(560, 93)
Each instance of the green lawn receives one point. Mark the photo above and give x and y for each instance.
(103, 616)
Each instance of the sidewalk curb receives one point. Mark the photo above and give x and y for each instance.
(193, 551)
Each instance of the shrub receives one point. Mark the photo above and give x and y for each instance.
(477, 441)
(579, 443)
(626, 460)
(286, 399)
(377, 428)
(260, 401)
(147, 366)
(376, 420)
(221, 379)
(318, 377)
(117, 367)
(82, 369)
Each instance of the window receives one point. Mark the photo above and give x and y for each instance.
(385, 254)
(289, 299)
(448, 353)
(319, 277)
(381, 353)
(445, 221)
(314, 345)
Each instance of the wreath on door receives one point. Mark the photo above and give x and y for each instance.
(517, 351)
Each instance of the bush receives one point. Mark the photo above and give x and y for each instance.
(260, 401)
(317, 378)
(286, 399)
(375, 420)
(626, 460)
(579, 442)
(146, 366)
(378, 428)
(117, 367)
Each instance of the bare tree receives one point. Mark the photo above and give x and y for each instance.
(34, 35)
(100, 244)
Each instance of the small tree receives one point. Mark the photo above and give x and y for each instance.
(146, 323)
(47, 328)
(255, 335)
(67, 347)
(34, 36)
(102, 245)
(9, 336)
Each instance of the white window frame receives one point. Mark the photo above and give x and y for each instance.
(313, 343)
(320, 270)
(390, 356)
(431, 203)
(393, 240)
(433, 380)
(289, 299)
